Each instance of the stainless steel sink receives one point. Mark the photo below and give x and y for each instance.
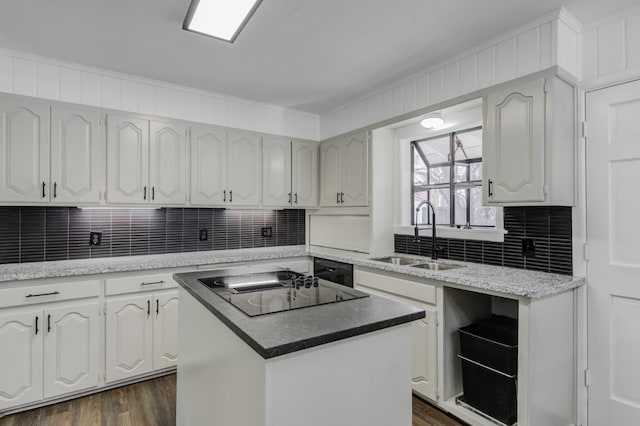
(436, 266)
(398, 260)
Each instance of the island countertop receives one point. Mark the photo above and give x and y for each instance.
(285, 332)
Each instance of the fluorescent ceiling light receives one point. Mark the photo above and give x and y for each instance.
(221, 19)
(432, 121)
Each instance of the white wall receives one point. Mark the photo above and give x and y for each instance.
(550, 40)
(30, 75)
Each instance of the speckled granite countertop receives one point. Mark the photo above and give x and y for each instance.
(509, 281)
(285, 332)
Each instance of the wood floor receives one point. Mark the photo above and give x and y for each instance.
(152, 403)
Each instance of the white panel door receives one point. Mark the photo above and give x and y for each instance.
(208, 165)
(244, 172)
(168, 163)
(613, 233)
(424, 359)
(20, 357)
(24, 151)
(513, 144)
(77, 155)
(355, 171)
(72, 338)
(304, 174)
(276, 172)
(330, 186)
(165, 330)
(129, 343)
(127, 160)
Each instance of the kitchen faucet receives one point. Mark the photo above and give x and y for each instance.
(434, 247)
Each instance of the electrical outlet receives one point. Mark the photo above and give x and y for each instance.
(528, 247)
(266, 232)
(95, 238)
(204, 235)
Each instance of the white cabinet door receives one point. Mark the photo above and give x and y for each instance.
(244, 172)
(127, 160)
(513, 144)
(424, 359)
(24, 151)
(72, 336)
(304, 174)
(165, 330)
(355, 171)
(168, 163)
(330, 186)
(21, 357)
(276, 172)
(77, 155)
(208, 165)
(129, 337)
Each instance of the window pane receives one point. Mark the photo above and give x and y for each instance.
(480, 215)
(438, 175)
(439, 199)
(436, 150)
(461, 173)
(476, 171)
(461, 207)
(468, 145)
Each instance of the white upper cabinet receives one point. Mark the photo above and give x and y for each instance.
(168, 163)
(244, 168)
(77, 155)
(529, 144)
(290, 173)
(208, 165)
(24, 151)
(225, 167)
(276, 169)
(127, 160)
(344, 172)
(304, 173)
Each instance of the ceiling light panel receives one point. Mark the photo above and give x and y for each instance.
(221, 19)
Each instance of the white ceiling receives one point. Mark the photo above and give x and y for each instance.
(312, 55)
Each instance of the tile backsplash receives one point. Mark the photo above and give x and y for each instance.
(549, 227)
(35, 234)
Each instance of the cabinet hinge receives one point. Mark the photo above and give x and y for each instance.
(587, 378)
(544, 86)
(585, 252)
(585, 129)
(104, 309)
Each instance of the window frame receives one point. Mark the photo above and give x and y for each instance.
(451, 185)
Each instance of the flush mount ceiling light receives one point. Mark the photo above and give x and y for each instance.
(432, 121)
(221, 19)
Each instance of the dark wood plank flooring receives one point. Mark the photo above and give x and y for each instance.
(152, 403)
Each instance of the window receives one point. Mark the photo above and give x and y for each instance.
(447, 171)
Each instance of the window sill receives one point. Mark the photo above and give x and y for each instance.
(495, 235)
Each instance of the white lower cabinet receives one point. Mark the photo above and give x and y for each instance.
(425, 332)
(141, 334)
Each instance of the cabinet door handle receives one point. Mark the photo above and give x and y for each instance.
(55, 189)
(224, 196)
(289, 198)
(53, 293)
(342, 197)
(152, 283)
(157, 307)
(49, 323)
(153, 193)
(37, 319)
(144, 196)
(490, 188)
(43, 192)
(295, 198)
(148, 308)
(231, 196)
(337, 197)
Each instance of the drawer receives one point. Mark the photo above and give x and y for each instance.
(406, 288)
(47, 293)
(138, 283)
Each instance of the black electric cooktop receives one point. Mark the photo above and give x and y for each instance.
(270, 292)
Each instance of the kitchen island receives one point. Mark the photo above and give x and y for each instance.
(338, 363)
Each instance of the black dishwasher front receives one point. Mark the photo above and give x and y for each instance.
(336, 272)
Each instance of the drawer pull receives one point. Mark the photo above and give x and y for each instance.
(148, 308)
(152, 283)
(48, 323)
(53, 293)
(37, 319)
(157, 307)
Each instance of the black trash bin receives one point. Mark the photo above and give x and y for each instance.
(489, 357)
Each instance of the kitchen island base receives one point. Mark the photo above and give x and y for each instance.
(362, 380)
